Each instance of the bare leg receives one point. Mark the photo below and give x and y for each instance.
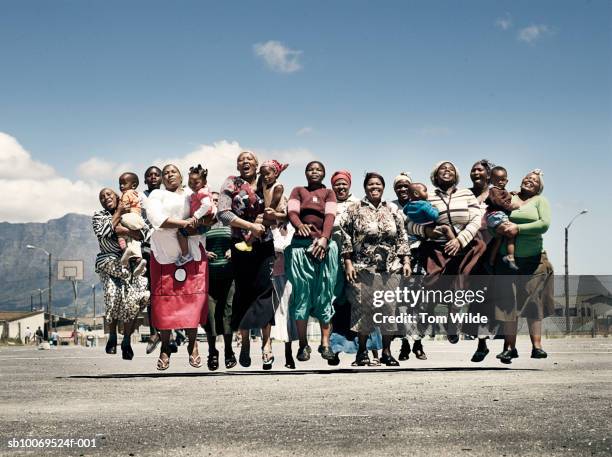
(510, 329)
(192, 347)
(325, 332)
(266, 342)
(183, 243)
(535, 332)
(386, 342)
(164, 336)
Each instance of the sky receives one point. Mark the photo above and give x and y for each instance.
(91, 89)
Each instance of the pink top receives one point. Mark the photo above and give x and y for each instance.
(201, 203)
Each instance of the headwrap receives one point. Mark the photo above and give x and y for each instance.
(403, 176)
(540, 174)
(275, 165)
(341, 174)
(435, 169)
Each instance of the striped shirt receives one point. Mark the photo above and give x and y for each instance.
(102, 222)
(459, 209)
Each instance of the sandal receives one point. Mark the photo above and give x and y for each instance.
(163, 364)
(268, 359)
(374, 362)
(362, 359)
(230, 361)
(213, 360)
(195, 362)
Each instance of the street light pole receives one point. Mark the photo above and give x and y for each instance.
(93, 291)
(49, 326)
(567, 316)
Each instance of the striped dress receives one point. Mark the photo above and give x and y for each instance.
(459, 209)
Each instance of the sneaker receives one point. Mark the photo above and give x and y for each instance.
(538, 353)
(335, 361)
(303, 354)
(141, 268)
(405, 350)
(326, 352)
(182, 260)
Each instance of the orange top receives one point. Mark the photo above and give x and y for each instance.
(131, 198)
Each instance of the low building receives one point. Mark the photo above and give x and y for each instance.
(13, 324)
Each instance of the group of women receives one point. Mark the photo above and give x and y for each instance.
(342, 251)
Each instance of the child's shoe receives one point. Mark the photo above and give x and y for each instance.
(122, 244)
(509, 260)
(243, 246)
(182, 260)
(141, 268)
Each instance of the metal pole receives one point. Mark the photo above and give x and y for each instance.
(49, 297)
(567, 316)
(93, 290)
(31, 303)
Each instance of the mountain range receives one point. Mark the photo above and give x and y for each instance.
(24, 271)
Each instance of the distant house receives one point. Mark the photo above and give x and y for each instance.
(13, 324)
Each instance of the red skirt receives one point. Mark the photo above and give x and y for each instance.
(179, 304)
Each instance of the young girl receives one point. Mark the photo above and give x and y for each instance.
(284, 328)
(499, 208)
(201, 205)
(272, 191)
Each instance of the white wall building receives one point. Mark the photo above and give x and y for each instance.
(13, 324)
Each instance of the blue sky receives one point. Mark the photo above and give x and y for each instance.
(388, 86)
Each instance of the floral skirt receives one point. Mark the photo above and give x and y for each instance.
(124, 296)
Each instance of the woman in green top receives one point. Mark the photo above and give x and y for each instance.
(534, 278)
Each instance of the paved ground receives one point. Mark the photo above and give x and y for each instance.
(443, 406)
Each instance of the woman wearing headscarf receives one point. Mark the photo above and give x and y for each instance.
(179, 294)
(311, 260)
(124, 293)
(401, 186)
(376, 256)
(343, 339)
(443, 257)
(533, 281)
(480, 175)
(242, 208)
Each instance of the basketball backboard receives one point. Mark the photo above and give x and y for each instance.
(70, 270)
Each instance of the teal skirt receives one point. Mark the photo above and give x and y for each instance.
(313, 281)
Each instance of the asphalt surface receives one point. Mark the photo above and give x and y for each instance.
(445, 405)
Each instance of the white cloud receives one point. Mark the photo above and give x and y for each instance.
(34, 192)
(304, 131)
(504, 22)
(16, 162)
(97, 168)
(278, 57)
(533, 33)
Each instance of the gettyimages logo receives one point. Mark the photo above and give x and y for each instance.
(421, 297)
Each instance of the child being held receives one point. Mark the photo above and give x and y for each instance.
(272, 191)
(128, 183)
(200, 206)
(420, 211)
(499, 208)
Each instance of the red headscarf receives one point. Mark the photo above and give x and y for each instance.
(275, 165)
(341, 174)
